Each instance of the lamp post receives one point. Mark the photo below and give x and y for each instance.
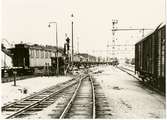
(57, 60)
(72, 53)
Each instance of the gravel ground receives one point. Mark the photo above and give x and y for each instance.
(127, 98)
(10, 93)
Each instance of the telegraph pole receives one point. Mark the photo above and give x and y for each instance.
(72, 53)
(78, 44)
(107, 51)
(114, 22)
(114, 29)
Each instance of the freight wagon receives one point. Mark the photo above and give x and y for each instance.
(150, 57)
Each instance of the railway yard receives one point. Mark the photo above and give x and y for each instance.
(49, 82)
(98, 92)
(83, 59)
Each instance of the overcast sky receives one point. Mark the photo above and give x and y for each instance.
(27, 20)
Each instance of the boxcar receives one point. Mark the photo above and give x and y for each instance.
(150, 57)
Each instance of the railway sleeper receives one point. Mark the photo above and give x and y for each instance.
(101, 98)
(80, 112)
(84, 97)
(17, 106)
(47, 102)
(62, 95)
(23, 115)
(100, 95)
(35, 109)
(104, 113)
(41, 106)
(21, 104)
(81, 108)
(11, 109)
(48, 91)
(32, 100)
(82, 105)
(45, 94)
(101, 102)
(104, 109)
(103, 116)
(87, 103)
(102, 105)
(81, 115)
(24, 102)
(39, 97)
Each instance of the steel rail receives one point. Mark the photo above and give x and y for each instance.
(35, 94)
(153, 88)
(93, 96)
(38, 102)
(127, 69)
(71, 100)
(28, 97)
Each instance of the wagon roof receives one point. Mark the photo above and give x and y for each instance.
(157, 28)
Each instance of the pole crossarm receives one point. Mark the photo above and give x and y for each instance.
(123, 45)
(130, 29)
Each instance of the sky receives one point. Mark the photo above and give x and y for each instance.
(27, 21)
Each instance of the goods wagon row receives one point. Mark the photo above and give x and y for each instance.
(150, 58)
(30, 59)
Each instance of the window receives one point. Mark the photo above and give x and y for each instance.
(31, 53)
(50, 54)
(46, 54)
(37, 53)
(34, 51)
(42, 54)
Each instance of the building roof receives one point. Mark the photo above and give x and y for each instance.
(6, 60)
(5, 50)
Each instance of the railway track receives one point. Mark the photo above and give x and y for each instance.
(127, 69)
(82, 103)
(87, 102)
(80, 98)
(149, 86)
(37, 101)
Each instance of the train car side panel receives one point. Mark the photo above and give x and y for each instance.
(150, 58)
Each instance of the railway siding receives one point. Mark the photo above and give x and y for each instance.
(19, 108)
(81, 97)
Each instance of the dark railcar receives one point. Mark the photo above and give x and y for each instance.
(20, 59)
(20, 55)
(61, 63)
(150, 58)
